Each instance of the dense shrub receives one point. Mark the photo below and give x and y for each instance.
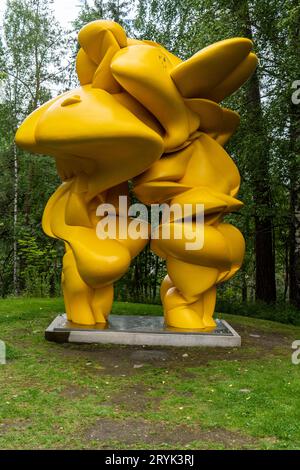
(280, 312)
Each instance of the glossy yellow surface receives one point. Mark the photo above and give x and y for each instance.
(142, 114)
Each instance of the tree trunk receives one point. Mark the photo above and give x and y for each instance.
(244, 288)
(294, 255)
(258, 166)
(15, 219)
(287, 269)
(154, 284)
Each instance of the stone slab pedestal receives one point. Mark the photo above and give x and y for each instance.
(141, 330)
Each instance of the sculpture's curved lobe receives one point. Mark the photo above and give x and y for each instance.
(144, 115)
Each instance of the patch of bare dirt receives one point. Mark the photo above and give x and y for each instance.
(140, 431)
(266, 341)
(20, 331)
(118, 361)
(8, 425)
(135, 398)
(150, 356)
(121, 361)
(74, 392)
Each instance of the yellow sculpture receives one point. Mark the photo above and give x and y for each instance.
(144, 115)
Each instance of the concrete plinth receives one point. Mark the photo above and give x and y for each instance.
(141, 330)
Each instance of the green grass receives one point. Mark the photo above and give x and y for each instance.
(55, 396)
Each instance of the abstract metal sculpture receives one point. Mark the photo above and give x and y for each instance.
(144, 115)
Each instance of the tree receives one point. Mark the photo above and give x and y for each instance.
(34, 67)
(185, 27)
(116, 10)
(33, 53)
(259, 160)
(292, 25)
(88, 13)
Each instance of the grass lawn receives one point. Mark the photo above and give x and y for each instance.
(56, 396)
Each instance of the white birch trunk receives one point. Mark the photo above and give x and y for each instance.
(15, 219)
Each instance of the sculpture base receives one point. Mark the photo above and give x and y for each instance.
(141, 330)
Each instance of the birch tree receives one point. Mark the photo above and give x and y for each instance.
(32, 70)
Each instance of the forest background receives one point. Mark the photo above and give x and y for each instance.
(37, 57)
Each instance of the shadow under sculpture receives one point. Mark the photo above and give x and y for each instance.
(144, 115)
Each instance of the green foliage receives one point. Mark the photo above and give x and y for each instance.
(89, 13)
(263, 145)
(39, 266)
(280, 312)
(142, 281)
(32, 61)
(116, 10)
(34, 66)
